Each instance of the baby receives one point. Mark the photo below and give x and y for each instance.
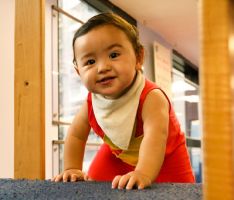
(143, 142)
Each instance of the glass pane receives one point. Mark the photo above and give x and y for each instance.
(186, 105)
(185, 101)
(78, 9)
(196, 161)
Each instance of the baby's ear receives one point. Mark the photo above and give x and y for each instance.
(77, 70)
(140, 58)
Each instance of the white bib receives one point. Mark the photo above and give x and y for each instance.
(116, 117)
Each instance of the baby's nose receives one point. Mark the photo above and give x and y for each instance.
(104, 67)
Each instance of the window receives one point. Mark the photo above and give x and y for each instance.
(185, 101)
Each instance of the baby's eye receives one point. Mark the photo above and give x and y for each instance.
(90, 62)
(114, 55)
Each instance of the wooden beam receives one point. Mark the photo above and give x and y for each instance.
(29, 147)
(216, 73)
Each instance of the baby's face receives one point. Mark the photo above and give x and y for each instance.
(106, 61)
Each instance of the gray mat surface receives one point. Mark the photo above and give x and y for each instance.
(35, 189)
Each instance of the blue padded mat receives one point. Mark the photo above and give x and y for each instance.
(36, 189)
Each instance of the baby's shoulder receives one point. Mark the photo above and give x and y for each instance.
(155, 100)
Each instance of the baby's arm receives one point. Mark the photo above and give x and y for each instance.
(155, 115)
(74, 147)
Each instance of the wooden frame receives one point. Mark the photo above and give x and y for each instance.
(29, 147)
(216, 74)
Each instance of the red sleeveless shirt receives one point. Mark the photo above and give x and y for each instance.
(176, 166)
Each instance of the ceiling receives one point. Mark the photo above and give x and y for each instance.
(176, 21)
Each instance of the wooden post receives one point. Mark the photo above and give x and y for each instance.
(29, 147)
(216, 74)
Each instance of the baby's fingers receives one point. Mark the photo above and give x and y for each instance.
(74, 177)
(115, 182)
(141, 186)
(131, 183)
(120, 182)
(57, 178)
(123, 181)
(87, 178)
(66, 177)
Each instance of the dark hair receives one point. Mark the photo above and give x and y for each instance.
(110, 19)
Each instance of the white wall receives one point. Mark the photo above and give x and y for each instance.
(7, 22)
(147, 38)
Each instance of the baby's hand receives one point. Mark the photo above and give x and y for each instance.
(131, 179)
(70, 175)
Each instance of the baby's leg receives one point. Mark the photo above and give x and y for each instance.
(106, 166)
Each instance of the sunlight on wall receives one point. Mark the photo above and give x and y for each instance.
(7, 88)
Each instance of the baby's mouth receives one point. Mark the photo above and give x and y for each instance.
(106, 79)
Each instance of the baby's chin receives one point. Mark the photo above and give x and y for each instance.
(110, 94)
